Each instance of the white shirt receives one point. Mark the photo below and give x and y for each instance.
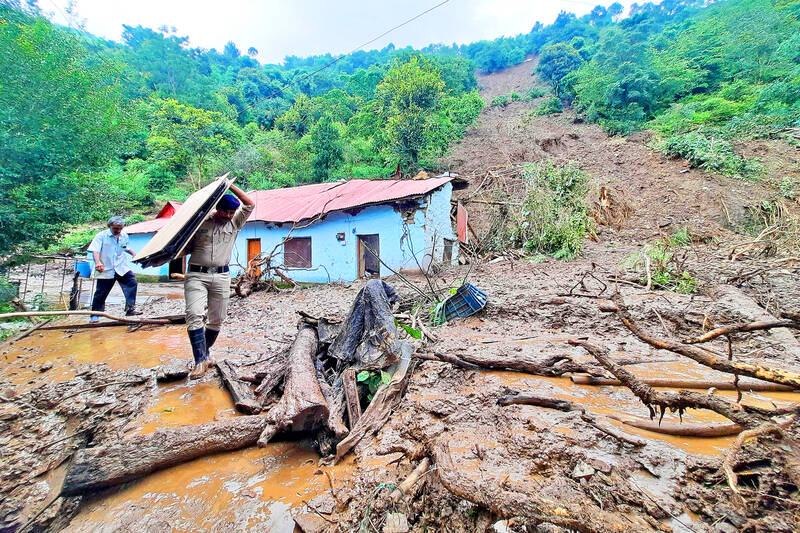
(112, 252)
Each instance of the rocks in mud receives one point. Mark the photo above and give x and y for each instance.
(396, 523)
(310, 523)
(323, 503)
(9, 412)
(582, 470)
(173, 371)
(45, 367)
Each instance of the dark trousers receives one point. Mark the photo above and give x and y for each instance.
(104, 286)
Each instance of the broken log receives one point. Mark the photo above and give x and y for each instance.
(379, 410)
(775, 375)
(553, 366)
(351, 396)
(744, 415)
(276, 372)
(539, 401)
(126, 319)
(108, 465)
(756, 386)
(302, 406)
(409, 482)
(742, 328)
(241, 394)
(565, 405)
(173, 319)
(506, 500)
(681, 430)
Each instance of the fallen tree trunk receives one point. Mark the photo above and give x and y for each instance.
(744, 415)
(105, 466)
(302, 406)
(125, 319)
(505, 500)
(757, 386)
(742, 328)
(775, 375)
(682, 430)
(242, 396)
(553, 366)
(379, 409)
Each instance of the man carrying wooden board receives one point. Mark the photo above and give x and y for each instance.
(208, 282)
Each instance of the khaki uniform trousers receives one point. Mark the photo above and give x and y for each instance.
(202, 290)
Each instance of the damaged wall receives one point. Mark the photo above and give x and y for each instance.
(406, 229)
(337, 258)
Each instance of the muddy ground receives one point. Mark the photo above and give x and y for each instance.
(491, 467)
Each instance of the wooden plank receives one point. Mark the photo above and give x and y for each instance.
(351, 396)
(243, 397)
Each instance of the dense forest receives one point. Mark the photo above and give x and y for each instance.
(92, 126)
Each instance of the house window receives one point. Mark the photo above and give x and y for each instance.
(297, 253)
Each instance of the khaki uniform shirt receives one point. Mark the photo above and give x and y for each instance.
(213, 243)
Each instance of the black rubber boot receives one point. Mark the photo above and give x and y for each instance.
(198, 339)
(211, 338)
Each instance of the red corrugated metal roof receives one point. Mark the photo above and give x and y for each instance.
(148, 226)
(294, 204)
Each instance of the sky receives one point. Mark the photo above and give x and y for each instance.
(279, 28)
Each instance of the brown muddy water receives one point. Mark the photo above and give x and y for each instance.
(255, 489)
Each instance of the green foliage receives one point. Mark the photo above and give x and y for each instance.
(549, 106)
(61, 116)
(661, 264)
(536, 92)
(414, 333)
(326, 148)
(556, 61)
(501, 100)
(552, 218)
(373, 379)
(712, 154)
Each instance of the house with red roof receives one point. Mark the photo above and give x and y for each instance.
(336, 231)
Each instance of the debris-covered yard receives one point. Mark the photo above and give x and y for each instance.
(595, 394)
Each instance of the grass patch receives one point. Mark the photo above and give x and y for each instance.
(662, 264)
(711, 154)
(551, 219)
(536, 92)
(549, 106)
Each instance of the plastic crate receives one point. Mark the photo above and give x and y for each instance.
(467, 301)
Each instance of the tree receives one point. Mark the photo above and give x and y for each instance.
(615, 10)
(556, 62)
(252, 52)
(184, 139)
(326, 147)
(60, 118)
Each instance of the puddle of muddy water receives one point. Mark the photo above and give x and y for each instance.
(67, 351)
(251, 489)
(617, 400)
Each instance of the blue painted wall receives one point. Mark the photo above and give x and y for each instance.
(408, 240)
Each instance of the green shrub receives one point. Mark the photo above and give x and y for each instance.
(500, 100)
(515, 97)
(134, 218)
(552, 217)
(787, 186)
(662, 264)
(536, 92)
(711, 154)
(549, 106)
(72, 242)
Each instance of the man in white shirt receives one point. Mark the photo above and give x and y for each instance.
(112, 262)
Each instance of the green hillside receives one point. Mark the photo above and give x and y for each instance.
(90, 126)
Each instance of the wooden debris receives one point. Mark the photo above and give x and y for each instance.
(751, 385)
(105, 466)
(351, 396)
(241, 394)
(302, 406)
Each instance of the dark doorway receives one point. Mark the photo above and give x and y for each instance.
(369, 249)
(177, 266)
(447, 255)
